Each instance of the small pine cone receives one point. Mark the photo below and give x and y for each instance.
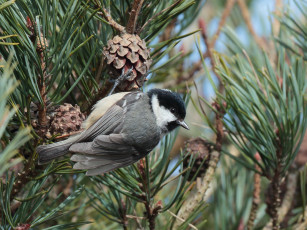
(67, 120)
(126, 52)
(200, 148)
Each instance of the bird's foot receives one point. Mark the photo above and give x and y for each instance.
(120, 79)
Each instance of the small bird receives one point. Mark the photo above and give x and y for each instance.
(121, 129)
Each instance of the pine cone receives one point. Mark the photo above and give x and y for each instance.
(126, 52)
(201, 150)
(67, 119)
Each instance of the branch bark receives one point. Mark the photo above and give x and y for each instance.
(134, 13)
(191, 204)
(246, 17)
(276, 181)
(287, 200)
(225, 14)
(107, 16)
(256, 196)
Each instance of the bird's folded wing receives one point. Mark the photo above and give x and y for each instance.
(112, 120)
(104, 154)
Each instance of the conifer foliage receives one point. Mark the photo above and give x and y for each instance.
(243, 170)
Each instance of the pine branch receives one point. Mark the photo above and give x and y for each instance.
(256, 196)
(134, 13)
(106, 15)
(274, 205)
(287, 199)
(225, 14)
(41, 44)
(276, 22)
(247, 19)
(190, 205)
(151, 212)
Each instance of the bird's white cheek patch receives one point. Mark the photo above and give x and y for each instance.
(163, 115)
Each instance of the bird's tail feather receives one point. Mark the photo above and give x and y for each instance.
(47, 153)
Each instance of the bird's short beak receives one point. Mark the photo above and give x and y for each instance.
(183, 124)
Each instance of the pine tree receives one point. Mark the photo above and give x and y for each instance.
(58, 58)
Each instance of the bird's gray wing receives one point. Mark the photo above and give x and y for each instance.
(112, 120)
(104, 154)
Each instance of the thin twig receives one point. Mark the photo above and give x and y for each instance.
(276, 23)
(135, 217)
(68, 135)
(225, 14)
(182, 220)
(152, 211)
(137, 220)
(247, 19)
(123, 213)
(157, 14)
(100, 68)
(106, 15)
(134, 13)
(42, 107)
(202, 26)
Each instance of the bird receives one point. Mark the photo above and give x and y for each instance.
(121, 129)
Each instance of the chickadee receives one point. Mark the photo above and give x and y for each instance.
(121, 129)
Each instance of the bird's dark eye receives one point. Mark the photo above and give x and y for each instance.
(173, 110)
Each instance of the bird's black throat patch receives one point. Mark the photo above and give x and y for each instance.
(172, 125)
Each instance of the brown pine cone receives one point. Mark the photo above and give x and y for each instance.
(200, 148)
(67, 120)
(126, 52)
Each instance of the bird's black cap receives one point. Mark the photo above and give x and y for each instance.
(170, 100)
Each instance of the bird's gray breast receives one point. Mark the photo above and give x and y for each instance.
(140, 126)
